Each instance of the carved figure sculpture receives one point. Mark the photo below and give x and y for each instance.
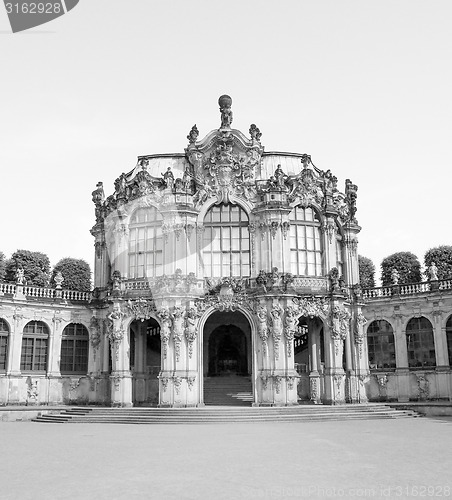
(165, 329)
(190, 329)
(225, 103)
(20, 276)
(277, 326)
(433, 272)
(168, 178)
(262, 328)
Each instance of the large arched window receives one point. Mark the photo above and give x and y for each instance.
(420, 343)
(145, 243)
(380, 344)
(306, 256)
(449, 338)
(74, 349)
(226, 249)
(4, 334)
(35, 343)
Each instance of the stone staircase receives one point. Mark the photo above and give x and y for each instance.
(222, 414)
(228, 391)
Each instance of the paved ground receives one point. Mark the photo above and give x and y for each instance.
(403, 458)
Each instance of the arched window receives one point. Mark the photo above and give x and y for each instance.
(145, 243)
(420, 343)
(306, 256)
(35, 343)
(449, 338)
(74, 349)
(226, 249)
(380, 344)
(4, 334)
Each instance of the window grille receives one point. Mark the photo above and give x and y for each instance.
(226, 249)
(420, 343)
(74, 349)
(145, 243)
(380, 345)
(4, 335)
(306, 253)
(35, 343)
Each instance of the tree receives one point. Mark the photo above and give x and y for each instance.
(407, 265)
(36, 266)
(2, 266)
(442, 257)
(366, 272)
(76, 274)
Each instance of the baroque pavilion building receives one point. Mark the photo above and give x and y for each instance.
(225, 269)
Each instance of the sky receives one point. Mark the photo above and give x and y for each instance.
(364, 87)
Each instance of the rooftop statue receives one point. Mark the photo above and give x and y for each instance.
(225, 103)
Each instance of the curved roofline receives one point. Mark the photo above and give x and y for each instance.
(282, 153)
(182, 155)
(163, 155)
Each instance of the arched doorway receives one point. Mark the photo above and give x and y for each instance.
(227, 360)
(309, 357)
(145, 361)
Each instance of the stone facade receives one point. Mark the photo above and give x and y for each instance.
(222, 260)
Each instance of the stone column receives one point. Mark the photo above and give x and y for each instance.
(14, 351)
(334, 373)
(442, 359)
(120, 378)
(402, 370)
(314, 376)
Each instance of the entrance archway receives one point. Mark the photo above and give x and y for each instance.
(227, 360)
(309, 355)
(145, 361)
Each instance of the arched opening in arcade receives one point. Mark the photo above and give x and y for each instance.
(309, 355)
(145, 361)
(227, 360)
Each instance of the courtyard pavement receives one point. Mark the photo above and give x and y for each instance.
(404, 458)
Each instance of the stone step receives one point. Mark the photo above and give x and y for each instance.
(223, 415)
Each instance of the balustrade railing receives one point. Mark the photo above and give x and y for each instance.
(41, 292)
(7, 288)
(407, 289)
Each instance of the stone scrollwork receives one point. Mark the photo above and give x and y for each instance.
(141, 309)
(313, 389)
(311, 307)
(95, 326)
(423, 386)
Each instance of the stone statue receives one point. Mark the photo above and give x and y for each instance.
(262, 328)
(395, 276)
(255, 133)
(225, 103)
(116, 279)
(20, 276)
(280, 177)
(186, 179)
(433, 272)
(168, 178)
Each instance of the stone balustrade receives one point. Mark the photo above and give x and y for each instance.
(407, 289)
(41, 292)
